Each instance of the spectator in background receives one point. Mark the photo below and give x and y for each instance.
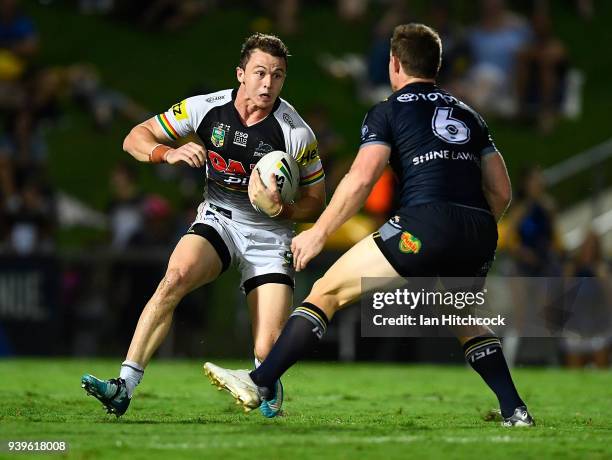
(330, 146)
(167, 15)
(18, 46)
(126, 208)
(456, 52)
(589, 329)
(85, 86)
(494, 44)
(158, 229)
(534, 245)
(31, 218)
(541, 71)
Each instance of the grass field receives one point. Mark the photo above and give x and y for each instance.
(332, 411)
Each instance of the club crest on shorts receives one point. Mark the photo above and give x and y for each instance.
(409, 243)
(218, 134)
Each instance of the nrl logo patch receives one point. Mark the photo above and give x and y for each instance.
(409, 244)
(218, 134)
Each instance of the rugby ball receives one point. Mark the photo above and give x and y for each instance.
(286, 172)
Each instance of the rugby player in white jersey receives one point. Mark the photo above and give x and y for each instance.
(236, 127)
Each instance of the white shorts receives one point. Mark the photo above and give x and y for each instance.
(262, 253)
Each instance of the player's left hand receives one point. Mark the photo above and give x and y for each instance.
(267, 199)
(306, 246)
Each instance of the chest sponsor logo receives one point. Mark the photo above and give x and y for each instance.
(179, 110)
(219, 131)
(262, 148)
(288, 120)
(240, 138)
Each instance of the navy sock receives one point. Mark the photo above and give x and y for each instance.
(303, 330)
(485, 356)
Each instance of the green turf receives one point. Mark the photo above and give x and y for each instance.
(352, 411)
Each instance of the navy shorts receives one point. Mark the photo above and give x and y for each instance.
(439, 239)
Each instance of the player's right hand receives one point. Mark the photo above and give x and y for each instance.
(191, 153)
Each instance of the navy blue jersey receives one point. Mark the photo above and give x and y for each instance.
(436, 143)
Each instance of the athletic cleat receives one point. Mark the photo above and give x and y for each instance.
(520, 417)
(111, 393)
(271, 407)
(237, 382)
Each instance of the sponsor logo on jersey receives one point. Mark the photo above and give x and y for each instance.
(446, 155)
(288, 120)
(364, 130)
(412, 97)
(409, 244)
(218, 134)
(240, 138)
(262, 148)
(309, 155)
(179, 110)
(230, 166)
(214, 98)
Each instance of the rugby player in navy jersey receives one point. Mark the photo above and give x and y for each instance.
(236, 128)
(454, 187)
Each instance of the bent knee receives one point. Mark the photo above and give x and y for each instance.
(331, 293)
(174, 283)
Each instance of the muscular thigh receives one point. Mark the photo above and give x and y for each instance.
(195, 260)
(341, 284)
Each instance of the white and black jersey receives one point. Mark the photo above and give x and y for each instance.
(234, 149)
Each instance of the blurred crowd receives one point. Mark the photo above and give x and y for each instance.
(504, 63)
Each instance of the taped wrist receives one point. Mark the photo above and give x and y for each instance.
(158, 153)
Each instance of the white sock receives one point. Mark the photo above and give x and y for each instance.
(132, 373)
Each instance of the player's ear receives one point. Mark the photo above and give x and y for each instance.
(395, 62)
(240, 74)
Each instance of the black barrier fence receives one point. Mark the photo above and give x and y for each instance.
(88, 304)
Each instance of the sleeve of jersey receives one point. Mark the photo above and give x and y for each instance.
(488, 146)
(181, 119)
(311, 168)
(375, 128)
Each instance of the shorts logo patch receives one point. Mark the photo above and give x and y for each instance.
(409, 244)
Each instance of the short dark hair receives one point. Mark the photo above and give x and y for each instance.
(418, 48)
(270, 44)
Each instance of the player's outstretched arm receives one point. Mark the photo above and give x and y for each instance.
(348, 198)
(145, 142)
(496, 184)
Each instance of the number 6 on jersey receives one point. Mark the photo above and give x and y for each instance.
(449, 129)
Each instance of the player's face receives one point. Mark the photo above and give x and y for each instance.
(263, 78)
